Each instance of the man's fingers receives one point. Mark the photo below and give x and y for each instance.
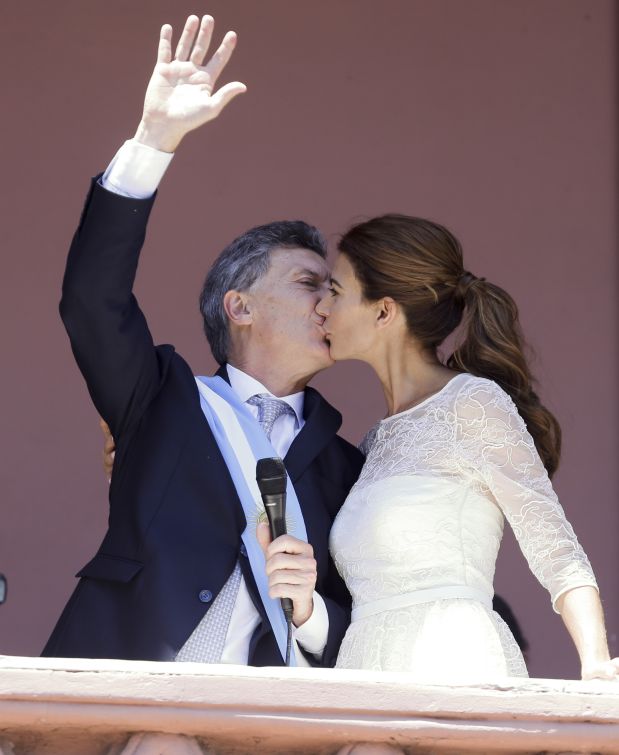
(289, 562)
(203, 40)
(290, 577)
(290, 544)
(186, 41)
(296, 593)
(219, 60)
(108, 440)
(292, 573)
(226, 94)
(164, 51)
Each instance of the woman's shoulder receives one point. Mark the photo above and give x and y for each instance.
(474, 393)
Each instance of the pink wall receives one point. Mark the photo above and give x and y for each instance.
(497, 118)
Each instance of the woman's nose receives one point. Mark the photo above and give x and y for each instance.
(322, 308)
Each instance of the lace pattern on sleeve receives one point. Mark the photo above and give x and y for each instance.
(494, 441)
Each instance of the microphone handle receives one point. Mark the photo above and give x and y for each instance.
(275, 506)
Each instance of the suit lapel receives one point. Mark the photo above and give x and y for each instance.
(322, 422)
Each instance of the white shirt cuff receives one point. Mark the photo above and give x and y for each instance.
(136, 170)
(312, 636)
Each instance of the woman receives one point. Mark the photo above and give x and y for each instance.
(465, 444)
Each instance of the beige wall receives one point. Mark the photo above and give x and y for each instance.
(495, 117)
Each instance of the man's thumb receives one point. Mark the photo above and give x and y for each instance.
(263, 535)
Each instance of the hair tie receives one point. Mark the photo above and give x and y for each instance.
(465, 281)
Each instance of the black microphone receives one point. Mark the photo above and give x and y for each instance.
(271, 478)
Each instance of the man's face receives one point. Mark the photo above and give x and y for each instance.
(284, 321)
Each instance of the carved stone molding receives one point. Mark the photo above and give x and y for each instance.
(148, 743)
(56, 706)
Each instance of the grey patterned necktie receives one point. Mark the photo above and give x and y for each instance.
(269, 410)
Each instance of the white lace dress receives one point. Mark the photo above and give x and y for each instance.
(417, 539)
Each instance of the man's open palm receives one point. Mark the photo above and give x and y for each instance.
(181, 93)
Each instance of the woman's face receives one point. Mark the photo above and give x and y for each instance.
(349, 320)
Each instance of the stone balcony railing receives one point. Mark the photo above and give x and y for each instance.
(94, 707)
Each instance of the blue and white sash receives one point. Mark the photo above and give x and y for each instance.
(242, 442)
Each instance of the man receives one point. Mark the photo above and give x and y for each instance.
(175, 578)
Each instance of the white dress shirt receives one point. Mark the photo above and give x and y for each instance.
(136, 171)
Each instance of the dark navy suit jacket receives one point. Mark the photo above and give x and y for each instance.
(175, 520)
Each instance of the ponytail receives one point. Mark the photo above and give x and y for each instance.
(493, 347)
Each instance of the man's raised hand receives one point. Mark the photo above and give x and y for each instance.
(181, 93)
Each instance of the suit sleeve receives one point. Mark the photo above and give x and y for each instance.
(338, 605)
(109, 336)
(333, 591)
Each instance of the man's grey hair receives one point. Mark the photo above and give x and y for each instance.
(241, 264)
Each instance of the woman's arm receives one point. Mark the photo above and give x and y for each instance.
(495, 441)
(582, 614)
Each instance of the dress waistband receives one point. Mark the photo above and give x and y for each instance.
(421, 596)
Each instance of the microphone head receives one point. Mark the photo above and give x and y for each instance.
(271, 476)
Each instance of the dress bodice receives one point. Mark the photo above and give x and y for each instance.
(429, 505)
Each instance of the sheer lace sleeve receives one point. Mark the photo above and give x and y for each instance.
(502, 455)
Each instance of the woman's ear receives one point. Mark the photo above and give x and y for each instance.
(237, 307)
(386, 311)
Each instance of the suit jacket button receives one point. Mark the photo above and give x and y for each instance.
(243, 549)
(205, 596)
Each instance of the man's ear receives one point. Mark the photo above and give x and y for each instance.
(386, 311)
(237, 307)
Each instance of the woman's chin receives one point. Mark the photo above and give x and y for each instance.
(335, 353)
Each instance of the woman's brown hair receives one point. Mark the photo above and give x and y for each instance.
(419, 264)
